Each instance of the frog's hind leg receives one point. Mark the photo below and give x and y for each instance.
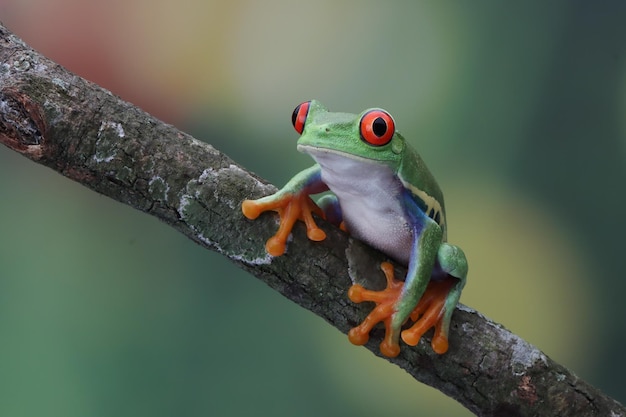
(395, 303)
(439, 300)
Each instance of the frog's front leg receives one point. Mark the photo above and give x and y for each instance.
(292, 202)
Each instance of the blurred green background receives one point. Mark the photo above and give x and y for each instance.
(519, 108)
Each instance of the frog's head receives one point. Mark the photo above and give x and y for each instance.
(370, 135)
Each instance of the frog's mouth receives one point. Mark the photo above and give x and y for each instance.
(320, 152)
(338, 162)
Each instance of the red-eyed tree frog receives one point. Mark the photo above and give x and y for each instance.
(382, 194)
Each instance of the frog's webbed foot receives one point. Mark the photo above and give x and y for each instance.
(383, 312)
(429, 312)
(290, 207)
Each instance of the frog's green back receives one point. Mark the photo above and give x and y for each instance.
(416, 177)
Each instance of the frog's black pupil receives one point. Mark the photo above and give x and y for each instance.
(379, 126)
(294, 115)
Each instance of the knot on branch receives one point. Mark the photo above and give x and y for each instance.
(22, 125)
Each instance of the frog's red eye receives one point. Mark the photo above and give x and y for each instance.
(298, 118)
(377, 127)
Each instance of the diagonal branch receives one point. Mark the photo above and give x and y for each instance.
(87, 134)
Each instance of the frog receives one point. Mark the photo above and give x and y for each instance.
(378, 189)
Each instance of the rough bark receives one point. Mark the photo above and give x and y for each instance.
(87, 134)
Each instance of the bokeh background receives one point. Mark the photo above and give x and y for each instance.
(519, 108)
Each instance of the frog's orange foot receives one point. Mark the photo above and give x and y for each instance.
(290, 207)
(385, 308)
(430, 313)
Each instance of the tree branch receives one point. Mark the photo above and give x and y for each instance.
(59, 120)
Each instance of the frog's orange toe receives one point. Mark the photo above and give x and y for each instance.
(275, 246)
(356, 293)
(440, 344)
(411, 338)
(251, 209)
(389, 349)
(315, 234)
(358, 337)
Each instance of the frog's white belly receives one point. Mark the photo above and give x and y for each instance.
(371, 203)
